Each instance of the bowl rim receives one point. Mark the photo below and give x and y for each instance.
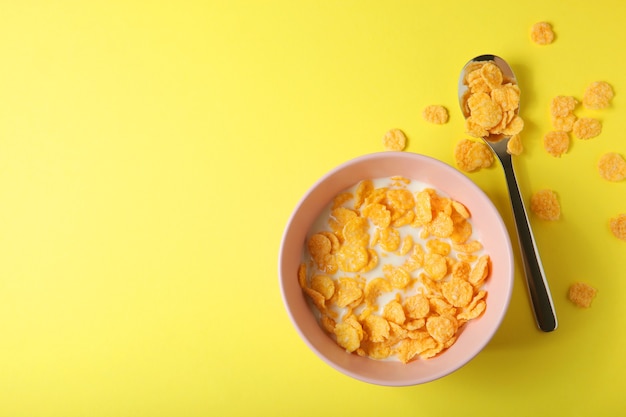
(318, 187)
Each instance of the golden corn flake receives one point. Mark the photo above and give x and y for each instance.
(474, 129)
(390, 239)
(468, 247)
(598, 95)
(439, 247)
(356, 231)
(618, 226)
(423, 212)
(410, 347)
(397, 277)
(347, 336)
(400, 199)
(471, 155)
(435, 114)
(320, 248)
(514, 146)
(435, 266)
(415, 259)
(394, 140)
(581, 294)
(473, 311)
(461, 270)
(328, 324)
(457, 292)
(406, 246)
(352, 258)
(462, 230)
(587, 128)
(378, 290)
(612, 167)
(363, 190)
(514, 127)
(372, 262)
(485, 111)
(348, 291)
(441, 225)
(334, 241)
(324, 285)
(492, 75)
(374, 289)
(375, 350)
(562, 106)
(394, 312)
(377, 328)
(378, 214)
(545, 205)
(417, 306)
(541, 33)
(480, 271)
(556, 143)
(441, 328)
(506, 96)
(564, 123)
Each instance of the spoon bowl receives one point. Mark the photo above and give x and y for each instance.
(538, 288)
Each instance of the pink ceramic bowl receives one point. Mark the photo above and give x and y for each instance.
(487, 221)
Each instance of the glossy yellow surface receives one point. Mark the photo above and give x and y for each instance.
(151, 154)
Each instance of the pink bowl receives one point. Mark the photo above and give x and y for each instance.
(487, 222)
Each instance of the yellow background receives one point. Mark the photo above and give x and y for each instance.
(151, 153)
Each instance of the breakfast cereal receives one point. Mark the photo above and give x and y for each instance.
(562, 106)
(587, 128)
(618, 226)
(391, 290)
(556, 143)
(491, 102)
(514, 146)
(541, 33)
(471, 155)
(545, 205)
(564, 123)
(581, 294)
(435, 114)
(562, 113)
(394, 140)
(598, 95)
(612, 167)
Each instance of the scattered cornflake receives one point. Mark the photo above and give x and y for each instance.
(562, 105)
(395, 273)
(618, 226)
(581, 294)
(562, 113)
(471, 155)
(394, 140)
(556, 143)
(612, 167)
(435, 114)
(541, 33)
(545, 205)
(598, 95)
(564, 123)
(587, 128)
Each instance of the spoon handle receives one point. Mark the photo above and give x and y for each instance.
(535, 276)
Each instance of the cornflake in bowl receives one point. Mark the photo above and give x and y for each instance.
(351, 291)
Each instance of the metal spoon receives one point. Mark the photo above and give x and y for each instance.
(535, 276)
